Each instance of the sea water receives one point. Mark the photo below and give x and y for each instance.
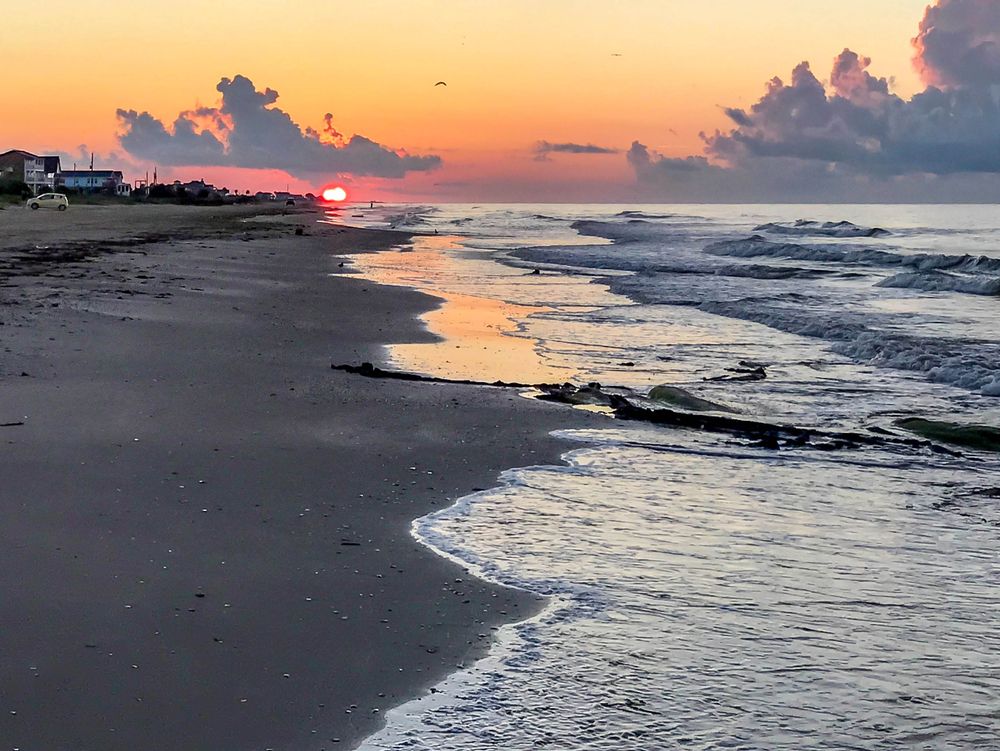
(707, 591)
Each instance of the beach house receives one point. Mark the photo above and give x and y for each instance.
(53, 169)
(96, 181)
(23, 165)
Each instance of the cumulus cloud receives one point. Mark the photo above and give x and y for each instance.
(854, 129)
(145, 137)
(248, 130)
(649, 165)
(959, 43)
(695, 178)
(858, 124)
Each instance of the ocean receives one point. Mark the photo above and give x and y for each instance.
(709, 589)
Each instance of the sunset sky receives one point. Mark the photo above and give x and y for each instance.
(518, 72)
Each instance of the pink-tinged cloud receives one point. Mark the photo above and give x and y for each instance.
(860, 126)
(958, 43)
(247, 130)
(854, 137)
(851, 80)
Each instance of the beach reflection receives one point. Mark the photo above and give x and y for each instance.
(480, 337)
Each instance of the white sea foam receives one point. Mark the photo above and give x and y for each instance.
(412, 216)
(967, 364)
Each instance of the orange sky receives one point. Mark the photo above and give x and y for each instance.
(517, 72)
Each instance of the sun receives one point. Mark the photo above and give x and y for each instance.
(336, 194)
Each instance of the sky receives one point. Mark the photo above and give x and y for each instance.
(559, 100)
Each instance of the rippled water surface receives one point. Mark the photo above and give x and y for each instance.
(708, 592)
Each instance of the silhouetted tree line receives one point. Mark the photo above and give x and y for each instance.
(181, 195)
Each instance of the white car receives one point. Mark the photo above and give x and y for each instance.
(48, 201)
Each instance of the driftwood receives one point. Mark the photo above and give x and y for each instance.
(368, 370)
(624, 404)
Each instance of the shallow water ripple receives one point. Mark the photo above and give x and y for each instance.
(744, 601)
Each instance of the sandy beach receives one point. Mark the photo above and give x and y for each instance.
(205, 530)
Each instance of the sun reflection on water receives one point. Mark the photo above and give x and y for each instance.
(480, 337)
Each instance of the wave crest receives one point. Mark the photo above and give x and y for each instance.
(968, 364)
(760, 247)
(941, 281)
(826, 229)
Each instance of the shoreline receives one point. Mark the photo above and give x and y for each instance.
(225, 379)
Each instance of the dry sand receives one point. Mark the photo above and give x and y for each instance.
(204, 531)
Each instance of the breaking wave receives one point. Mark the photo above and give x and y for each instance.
(642, 215)
(760, 247)
(634, 229)
(942, 281)
(412, 217)
(748, 271)
(826, 229)
(969, 364)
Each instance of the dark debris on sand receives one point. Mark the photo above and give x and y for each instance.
(625, 404)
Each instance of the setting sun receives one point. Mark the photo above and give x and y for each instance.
(337, 194)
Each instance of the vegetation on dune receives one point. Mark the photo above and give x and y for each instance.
(16, 189)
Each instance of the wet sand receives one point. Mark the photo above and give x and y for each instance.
(204, 530)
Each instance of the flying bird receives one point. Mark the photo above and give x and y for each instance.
(440, 83)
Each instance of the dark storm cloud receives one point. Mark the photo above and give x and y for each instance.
(247, 130)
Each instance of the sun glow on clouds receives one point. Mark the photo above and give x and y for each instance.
(558, 82)
(248, 130)
(852, 137)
